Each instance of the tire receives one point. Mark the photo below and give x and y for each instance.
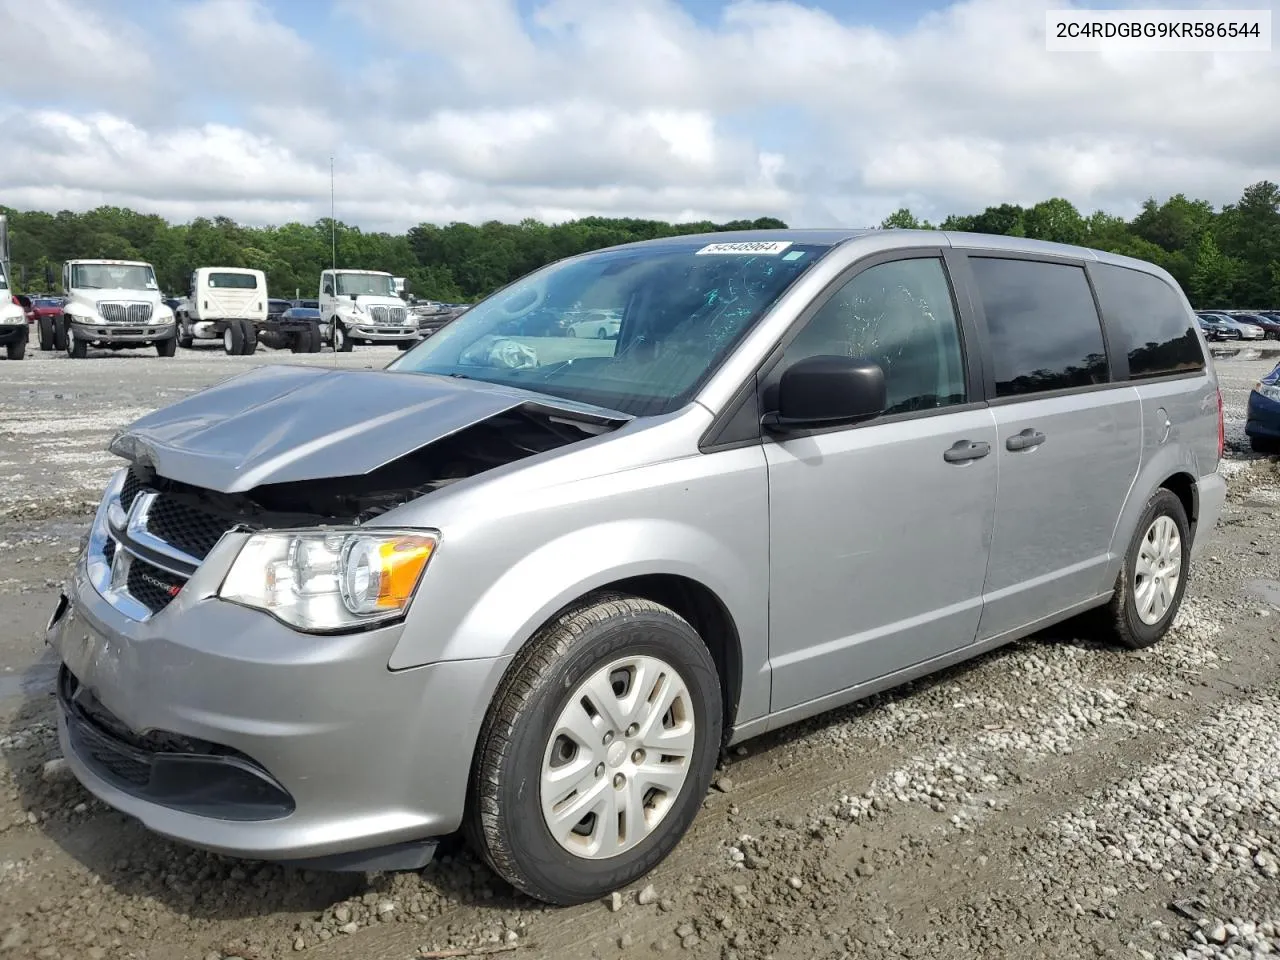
(506, 821)
(76, 348)
(45, 331)
(167, 347)
(185, 340)
(404, 345)
(60, 333)
(233, 339)
(341, 340)
(602, 334)
(1124, 621)
(316, 338)
(249, 334)
(16, 350)
(1264, 445)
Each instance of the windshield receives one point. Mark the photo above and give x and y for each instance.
(233, 281)
(113, 276)
(636, 330)
(365, 285)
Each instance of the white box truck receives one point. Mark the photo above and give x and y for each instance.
(114, 305)
(363, 306)
(13, 319)
(227, 304)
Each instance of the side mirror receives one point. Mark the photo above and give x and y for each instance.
(827, 391)
(328, 291)
(353, 295)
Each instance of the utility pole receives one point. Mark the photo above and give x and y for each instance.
(333, 223)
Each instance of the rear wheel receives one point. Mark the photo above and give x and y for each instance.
(45, 331)
(233, 339)
(249, 335)
(1149, 589)
(597, 750)
(185, 340)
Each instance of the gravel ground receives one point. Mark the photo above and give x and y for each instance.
(1054, 799)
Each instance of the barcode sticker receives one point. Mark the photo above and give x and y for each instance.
(770, 248)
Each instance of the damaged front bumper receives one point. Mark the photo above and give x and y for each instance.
(220, 727)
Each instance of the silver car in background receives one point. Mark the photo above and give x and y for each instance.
(530, 585)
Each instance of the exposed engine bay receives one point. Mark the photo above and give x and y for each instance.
(498, 440)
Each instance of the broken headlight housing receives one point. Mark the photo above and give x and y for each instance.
(330, 581)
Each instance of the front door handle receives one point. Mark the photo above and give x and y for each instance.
(962, 451)
(1028, 439)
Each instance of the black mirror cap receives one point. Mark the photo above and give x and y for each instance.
(827, 391)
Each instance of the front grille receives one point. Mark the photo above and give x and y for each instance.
(388, 314)
(188, 528)
(132, 487)
(179, 524)
(151, 586)
(125, 312)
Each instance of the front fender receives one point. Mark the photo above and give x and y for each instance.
(525, 595)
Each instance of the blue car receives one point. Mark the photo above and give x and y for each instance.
(1262, 423)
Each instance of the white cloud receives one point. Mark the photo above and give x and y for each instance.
(464, 111)
(64, 48)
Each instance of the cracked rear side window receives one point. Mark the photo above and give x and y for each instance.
(636, 330)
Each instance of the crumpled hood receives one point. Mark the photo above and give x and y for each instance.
(284, 424)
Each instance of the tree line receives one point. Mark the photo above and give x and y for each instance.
(1223, 258)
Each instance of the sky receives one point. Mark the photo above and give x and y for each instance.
(822, 113)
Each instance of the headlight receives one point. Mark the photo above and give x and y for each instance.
(325, 581)
(1269, 390)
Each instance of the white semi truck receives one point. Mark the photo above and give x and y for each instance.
(115, 305)
(227, 304)
(364, 306)
(13, 319)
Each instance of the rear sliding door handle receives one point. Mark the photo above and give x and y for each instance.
(962, 451)
(1026, 440)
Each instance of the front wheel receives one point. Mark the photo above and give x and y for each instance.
(1149, 589)
(77, 349)
(341, 341)
(597, 750)
(167, 348)
(60, 327)
(16, 350)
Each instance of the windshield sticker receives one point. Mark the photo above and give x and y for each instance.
(767, 247)
(794, 255)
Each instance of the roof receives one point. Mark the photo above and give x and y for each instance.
(113, 263)
(831, 237)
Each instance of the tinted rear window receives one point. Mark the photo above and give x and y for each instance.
(1148, 321)
(233, 281)
(1044, 329)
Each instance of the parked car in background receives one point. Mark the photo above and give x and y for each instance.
(1215, 329)
(306, 304)
(1245, 331)
(433, 316)
(1270, 326)
(276, 306)
(1262, 416)
(600, 324)
(535, 585)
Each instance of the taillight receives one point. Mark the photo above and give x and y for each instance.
(1222, 428)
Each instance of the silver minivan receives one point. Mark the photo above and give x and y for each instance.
(530, 584)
